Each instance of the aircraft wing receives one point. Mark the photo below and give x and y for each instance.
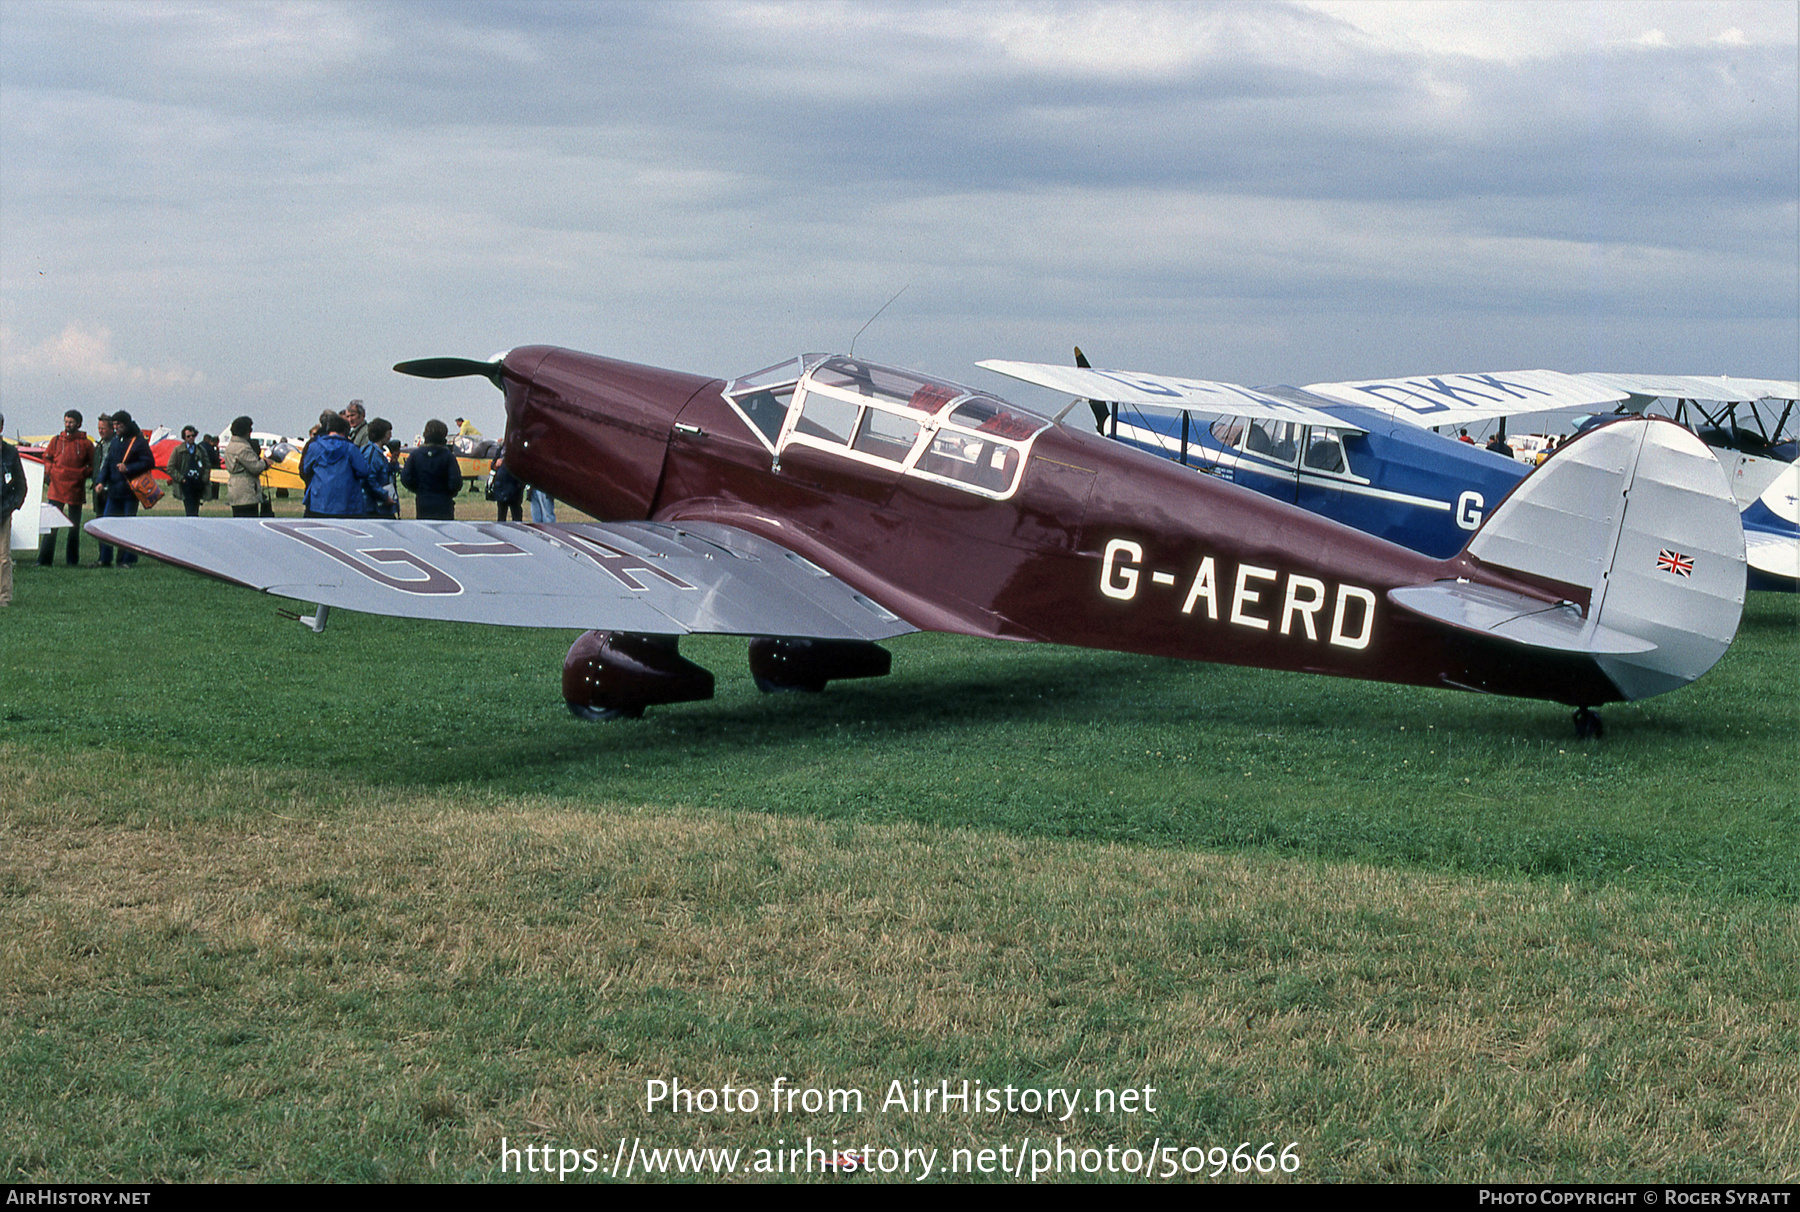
(638, 576)
(1164, 392)
(1772, 554)
(1433, 400)
(1721, 389)
(1424, 400)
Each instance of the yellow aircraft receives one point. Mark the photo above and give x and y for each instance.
(282, 473)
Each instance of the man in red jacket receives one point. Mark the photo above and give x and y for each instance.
(68, 462)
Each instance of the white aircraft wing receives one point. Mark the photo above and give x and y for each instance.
(1772, 539)
(1774, 555)
(1433, 400)
(639, 576)
(1163, 392)
(1722, 389)
(1424, 400)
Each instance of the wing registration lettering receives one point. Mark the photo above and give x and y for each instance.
(1433, 391)
(501, 546)
(613, 561)
(434, 581)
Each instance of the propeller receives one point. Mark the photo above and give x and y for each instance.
(494, 370)
(1100, 409)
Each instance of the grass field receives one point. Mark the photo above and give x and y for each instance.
(367, 904)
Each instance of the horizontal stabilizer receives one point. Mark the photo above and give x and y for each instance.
(1486, 610)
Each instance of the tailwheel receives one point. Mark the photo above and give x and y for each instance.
(1587, 724)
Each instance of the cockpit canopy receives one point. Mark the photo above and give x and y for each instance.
(889, 419)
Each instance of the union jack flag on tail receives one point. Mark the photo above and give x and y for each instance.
(1675, 562)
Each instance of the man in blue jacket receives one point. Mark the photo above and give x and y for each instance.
(384, 502)
(338, 482)
(127, 458)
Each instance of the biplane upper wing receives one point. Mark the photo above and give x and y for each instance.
(1424, 400)
(1433, 400)
(639, 577)
(1164, 392)
(1716, 388)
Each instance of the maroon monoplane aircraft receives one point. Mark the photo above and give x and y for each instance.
(827, 503)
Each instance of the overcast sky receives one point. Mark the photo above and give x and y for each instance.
(208, 210)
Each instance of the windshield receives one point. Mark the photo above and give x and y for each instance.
(762, 398)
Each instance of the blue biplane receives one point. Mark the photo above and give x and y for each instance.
(1364, 453)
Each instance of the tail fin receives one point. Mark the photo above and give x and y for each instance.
(1640, 514)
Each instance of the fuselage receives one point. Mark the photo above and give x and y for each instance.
(961, 513)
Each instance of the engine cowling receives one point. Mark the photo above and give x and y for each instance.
(611, 675)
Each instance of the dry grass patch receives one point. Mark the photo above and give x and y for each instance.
(377, 985)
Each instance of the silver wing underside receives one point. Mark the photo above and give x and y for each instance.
(630, 576)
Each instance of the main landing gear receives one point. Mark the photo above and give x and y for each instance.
(1587, 724)
(615, 675)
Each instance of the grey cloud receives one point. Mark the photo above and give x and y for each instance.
(302, 195)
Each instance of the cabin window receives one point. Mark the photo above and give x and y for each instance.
(988, 415)
(884, 383)
(1277, 441)
(1325, 452)
(827, 417)
(886, 435)
(966, 458)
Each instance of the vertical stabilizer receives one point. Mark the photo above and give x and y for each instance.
(1640, 514)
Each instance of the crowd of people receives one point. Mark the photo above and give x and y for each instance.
(350, 465)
